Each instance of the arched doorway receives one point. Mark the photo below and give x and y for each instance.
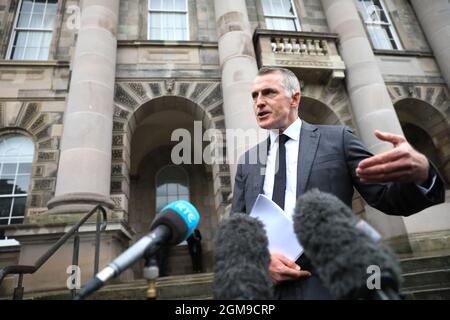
(156, 179)
(427, 130)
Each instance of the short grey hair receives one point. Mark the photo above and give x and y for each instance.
(290, 81)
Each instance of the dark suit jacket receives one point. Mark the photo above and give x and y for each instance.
(327, 160)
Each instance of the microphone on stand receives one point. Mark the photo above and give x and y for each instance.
(174, 224)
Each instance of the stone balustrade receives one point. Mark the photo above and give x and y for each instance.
(313, 56)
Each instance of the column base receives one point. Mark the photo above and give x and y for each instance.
(77, 203)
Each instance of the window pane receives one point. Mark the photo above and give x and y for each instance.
(52, 7)
(379, 37)
(43, 54)
(22, 183)
(183, 190)
(24, 168)
(24, 20)
(160, 203)
(180, 5)
(37, 14)
(171, 199)
(9, 168)
(156, 4)
(168, 5)
(31, 53)
(267, 8)
(155, 26)
(6, 184)
(34, 39)
(161, 190)
(39, 6)
(21, 39)
(19, 207)
(172, 189)
(36, 20)
(155, 20)
(277, 7)
(27, 5)
(281, 24)
(3, 222)
(48, 21)
(172, 182)
(17, 53)
(5, 207)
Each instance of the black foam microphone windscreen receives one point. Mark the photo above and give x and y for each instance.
(242, 260)
(346, 258)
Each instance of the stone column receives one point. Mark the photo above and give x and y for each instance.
(371, 105)
(84, 172)
(434, 16)
(239, 68)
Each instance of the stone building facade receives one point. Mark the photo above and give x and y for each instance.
(102, 98)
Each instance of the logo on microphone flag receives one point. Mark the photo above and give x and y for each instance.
(188, 212)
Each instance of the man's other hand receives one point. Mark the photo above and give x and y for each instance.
(402, 164)
(283, 269)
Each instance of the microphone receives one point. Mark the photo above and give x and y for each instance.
(174, 224)
(342, 252)
(242, 260)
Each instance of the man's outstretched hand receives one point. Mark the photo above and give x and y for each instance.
(402, 164)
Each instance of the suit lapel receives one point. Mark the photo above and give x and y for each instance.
(309, 141)
(260, 168)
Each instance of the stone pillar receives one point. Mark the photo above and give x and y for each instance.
(84, 172)
(372, 107)
(371, 104)
(434, 16)
(239, 68)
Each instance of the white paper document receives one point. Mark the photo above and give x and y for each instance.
(279, 227)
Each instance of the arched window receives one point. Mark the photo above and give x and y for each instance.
(171, 184)
(16, 157)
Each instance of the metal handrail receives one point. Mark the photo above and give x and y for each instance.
(23, 269)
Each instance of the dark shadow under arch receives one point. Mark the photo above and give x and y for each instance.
(316, 112)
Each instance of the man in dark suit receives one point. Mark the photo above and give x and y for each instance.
(299, 156)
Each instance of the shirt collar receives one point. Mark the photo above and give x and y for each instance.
(293, 131)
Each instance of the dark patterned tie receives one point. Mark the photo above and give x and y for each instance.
(279, 184)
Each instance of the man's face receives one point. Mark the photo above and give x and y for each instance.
(273, 107)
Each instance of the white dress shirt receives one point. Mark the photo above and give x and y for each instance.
(290, 198)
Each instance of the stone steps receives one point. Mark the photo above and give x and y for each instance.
(186, 287)
(429, 294)
(419, 264)
(426, 277)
